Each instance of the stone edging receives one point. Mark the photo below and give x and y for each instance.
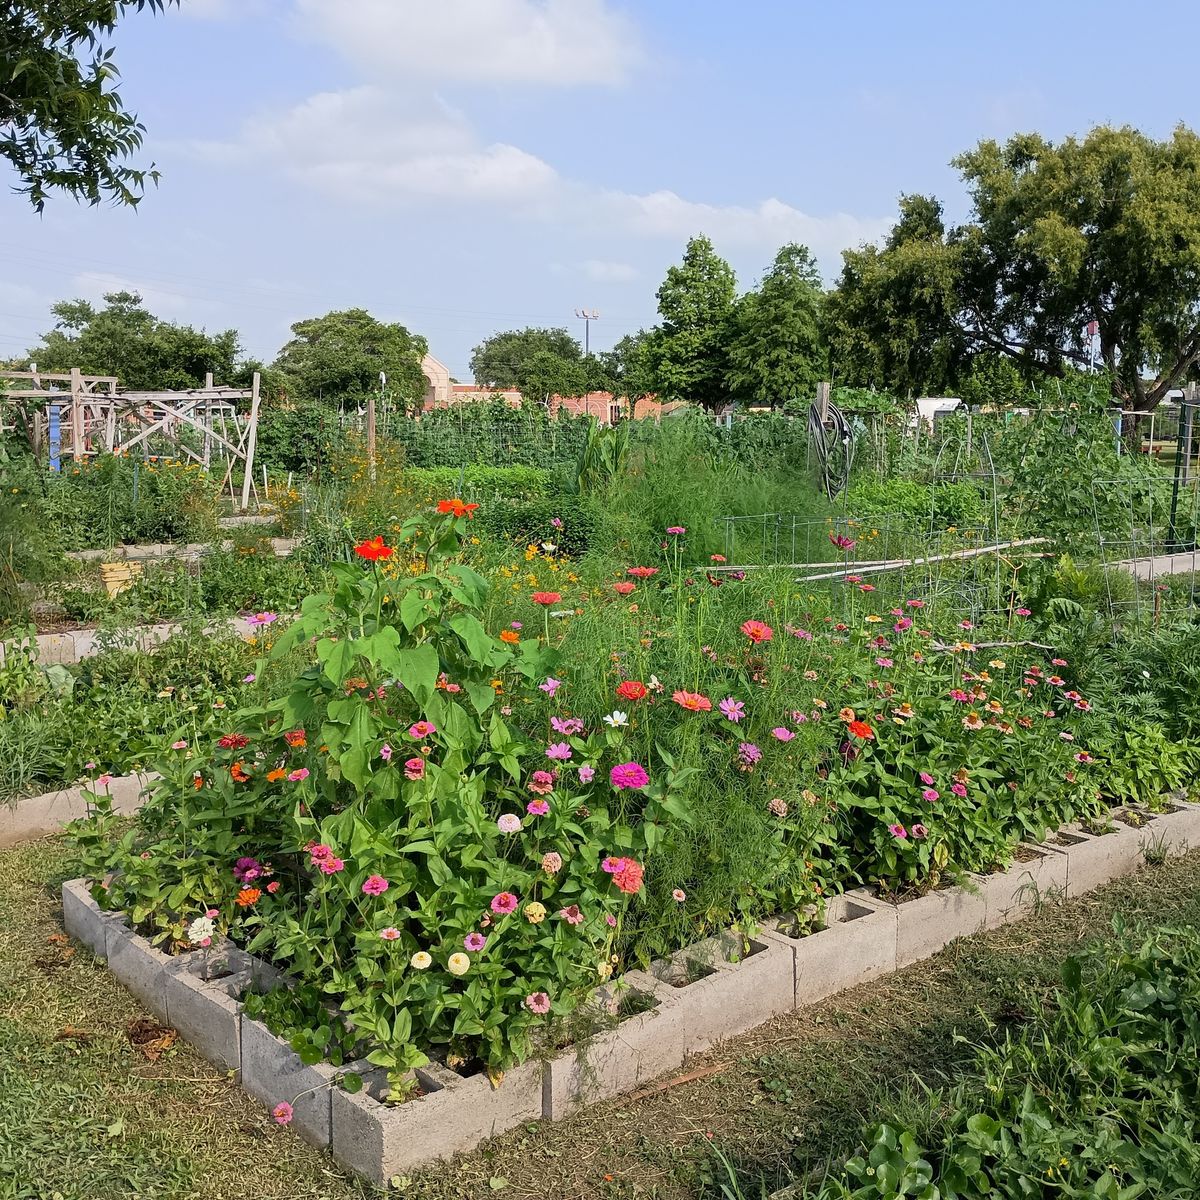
(154, 550)
(67, 648)
(696, 998)
(37, 816)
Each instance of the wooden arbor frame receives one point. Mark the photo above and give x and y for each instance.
(99, 419)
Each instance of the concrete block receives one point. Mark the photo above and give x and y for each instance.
(1036, 873)
(273, 1073)
(1094, 859)
(648, 1042)
(857, 944)
(727, 984)
(455, 1114)
(1179, 826)
(140, 968)
(56, 648)
(931, 922)
(85, 920)
(202, 1005)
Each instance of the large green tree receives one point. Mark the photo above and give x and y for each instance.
(338, 358)
(775, 349)
(504, 360)
(1102, 229)
(629, 367)
(126, 340)
(696, 304)
(62, 122)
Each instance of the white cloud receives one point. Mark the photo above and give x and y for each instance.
(555, 42)
(608, 272)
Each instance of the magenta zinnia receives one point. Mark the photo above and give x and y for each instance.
(628, 775)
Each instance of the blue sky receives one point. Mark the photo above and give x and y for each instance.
(465, 166)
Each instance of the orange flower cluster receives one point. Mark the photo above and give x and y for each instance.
(239, 773)
(457, 507)
(248, 896)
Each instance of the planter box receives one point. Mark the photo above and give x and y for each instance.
(857, 944)
(379, 1140)
(727, 984)
(1096, 859)
(931, 922)
(641, 1047)
(202, 1001)
(1179, 825)
(141, 969)
(36, 816)
(1010, 894)
(273, 1073)
(85, 920)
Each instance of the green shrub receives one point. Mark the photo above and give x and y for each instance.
(530, 522)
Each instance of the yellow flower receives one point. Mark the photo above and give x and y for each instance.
(535, 913)
(422, 961)
(458, 964)
(997, 664)
(873, 619)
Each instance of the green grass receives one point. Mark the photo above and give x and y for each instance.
(89, 1118)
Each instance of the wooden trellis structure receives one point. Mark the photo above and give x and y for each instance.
(89, 416)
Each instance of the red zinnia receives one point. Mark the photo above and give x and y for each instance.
(457, 507)
(373, 550)
(546, 598)
(631, 689)
(642, 572)
(234, 741)
(860, 729)
(629, 879)
(624, 587)
(756, 631)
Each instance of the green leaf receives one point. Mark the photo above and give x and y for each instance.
(478, 642)
(418, 669)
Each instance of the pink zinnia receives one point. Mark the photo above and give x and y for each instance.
(385, 752)
(678, 895)
(282, 1113)
(538, 808)
(414, 768)
(375, 885)
(587, 774)
(929, 794)
(299, 774)
(474, 941)
(613, 866)
(1023, 612)
(676, 530)
(559, 751)
(538, 1002)
(541, 783)
(331, 866)
(551, 862)
(757, 632)
(509, 823)
(421, 729)
(504, 902)
(926, 778)
(959, 789)
(179, 745)
(390, 934)
(919, 831)
(318, 851)
(628, 775)
(571, 914)
(610, 920)
(898, 831)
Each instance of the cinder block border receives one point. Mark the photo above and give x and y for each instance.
(37, 816)
(685, 1004)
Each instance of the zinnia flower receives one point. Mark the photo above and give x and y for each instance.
(629, 880)
(282, 1112)
(642, 572)
(419, 730)
(929, 794)
(414, 768)
(860, 729)
(919, 831)
(541, 783)
(474, 941)
(457, 507)
(421, 961)
(757, 632)
(390, 934)
(537, 808)
(571, 914)
(504, 902)
(778, 806)
(546, 599)
(898, 831)
(552, 862)
(509, 823)
(373, 550)
(298, 775)
(535, 913)
(692, 701)
(631, 689)
(628, 775)
(678, 895)
(538, 1002)
(330, 866)
(623, 587)
(458, 963)
(676, 530)
(375, 885)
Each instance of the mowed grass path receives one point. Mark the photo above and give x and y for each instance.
(84, 1115)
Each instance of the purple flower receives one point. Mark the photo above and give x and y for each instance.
(586, 774)
(929, 794)
(474, 941)
(516, 625)
(247, 869)
(556, 522)
(558, 750)
(550, 686)
(748, 753)
(538, 808)
(732, 710)
(628, 775)
(898, 832)
(567, 726)
(385, 752)
(676, 530)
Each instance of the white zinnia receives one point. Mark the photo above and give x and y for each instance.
(617, 719)
(199, 929)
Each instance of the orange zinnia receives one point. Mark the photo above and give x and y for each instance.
(276, 775)
(860, 729)
(238, 771)
(510, 635)
(296, 738)
(373, 549)
(248, 896)
(545, 599)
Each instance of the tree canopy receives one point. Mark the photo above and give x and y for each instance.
(1102, 229)
(126, 340)
(504, 360)
(696, 304)
(62, 121)
(338, 358)
(775, 348)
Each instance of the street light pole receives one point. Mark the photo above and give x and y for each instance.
(587, 316)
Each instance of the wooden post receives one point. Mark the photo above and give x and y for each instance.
(371, 436)
(823, 393)
(77, 414)
(208, 382)
(251, 440)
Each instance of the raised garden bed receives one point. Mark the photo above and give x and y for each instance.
(684, 1005)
